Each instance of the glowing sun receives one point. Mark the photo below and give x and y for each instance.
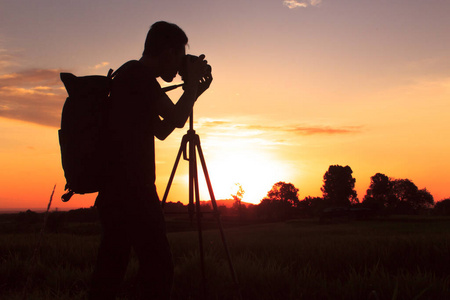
(256, 171)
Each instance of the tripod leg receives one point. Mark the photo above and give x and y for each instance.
(194, 184)
(172, 175)
(216, 213)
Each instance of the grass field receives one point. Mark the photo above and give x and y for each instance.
(396, 258)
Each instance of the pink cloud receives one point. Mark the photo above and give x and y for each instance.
(35, 95)
(222, 125)
(291, 4)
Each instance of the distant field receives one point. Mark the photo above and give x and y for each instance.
(397, 258)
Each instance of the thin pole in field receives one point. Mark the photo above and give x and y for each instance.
(34, 258)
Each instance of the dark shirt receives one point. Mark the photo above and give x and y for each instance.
(132, 113)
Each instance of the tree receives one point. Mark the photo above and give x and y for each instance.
(442, 208)
(409, 198)
(284, 192)
(379, 194)
(423, 200)
(338, 186)
(237, 205)
(397, 195)
(238, 197)
(311, 206)
(380, 185)
(280, 202)
(404, 189)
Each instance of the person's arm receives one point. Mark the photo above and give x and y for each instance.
(176, 115)
(173, 115)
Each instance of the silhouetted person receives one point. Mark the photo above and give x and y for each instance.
(128, 204)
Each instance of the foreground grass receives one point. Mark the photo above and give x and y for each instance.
(397, 259)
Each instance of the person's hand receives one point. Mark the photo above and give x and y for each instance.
(196, 70)
(204, 84)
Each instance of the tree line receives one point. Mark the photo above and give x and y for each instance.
(384, 196)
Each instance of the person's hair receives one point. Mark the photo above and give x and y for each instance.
(162, 36)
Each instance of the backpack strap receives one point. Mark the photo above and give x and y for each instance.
(111, 73)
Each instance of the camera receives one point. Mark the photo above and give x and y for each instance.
(183, 69)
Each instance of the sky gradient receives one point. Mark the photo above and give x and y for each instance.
(298, 86)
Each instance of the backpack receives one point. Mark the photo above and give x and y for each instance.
(82, 131)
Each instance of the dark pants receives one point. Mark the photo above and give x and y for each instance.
(132, 218)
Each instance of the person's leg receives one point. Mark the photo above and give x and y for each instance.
(155, 268)
(113, 255)
(153, 250)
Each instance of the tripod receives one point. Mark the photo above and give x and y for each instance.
(192, 140)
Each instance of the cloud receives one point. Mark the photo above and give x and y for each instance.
(6, 59)
(35, 95)
(224, 127)
(31, 77)
(308, 130)
(291, 4)
(100, 65)
(231, 133)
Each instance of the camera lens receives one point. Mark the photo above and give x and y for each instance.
(183, 69)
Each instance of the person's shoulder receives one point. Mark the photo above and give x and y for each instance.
(135, 76)
(131, 73)
(131, 67)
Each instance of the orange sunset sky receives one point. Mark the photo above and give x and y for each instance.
(298, 86)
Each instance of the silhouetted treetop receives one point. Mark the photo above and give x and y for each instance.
(338, 186)
(380, 184)
(442, 208)
(284, 192)
(280, 203)
(396, 195)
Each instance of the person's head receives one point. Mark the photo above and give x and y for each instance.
(166, 43)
